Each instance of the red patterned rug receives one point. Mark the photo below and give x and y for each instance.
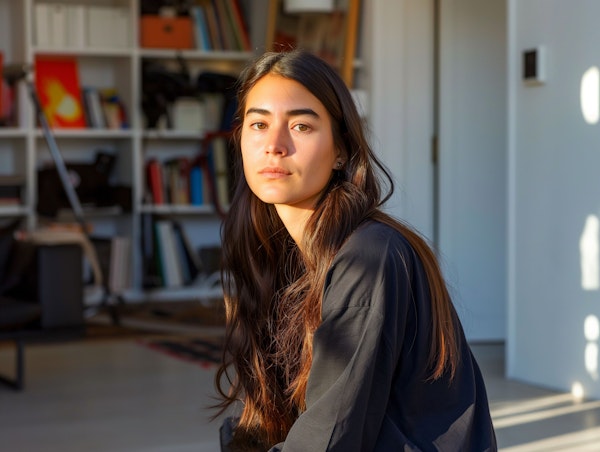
(204, 351)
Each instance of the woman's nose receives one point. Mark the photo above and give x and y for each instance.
(279, 141)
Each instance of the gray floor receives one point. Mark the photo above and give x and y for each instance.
(120, 396)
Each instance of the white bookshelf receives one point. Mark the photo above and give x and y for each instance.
(23, 148)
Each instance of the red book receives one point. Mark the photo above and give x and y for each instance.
(2, 113)
(240, 24)
(57, 85)
(155, 181)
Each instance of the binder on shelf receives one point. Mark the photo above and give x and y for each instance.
(100, 31)
(75, 26)
(58, 25)
(120, 26)
(43, 34)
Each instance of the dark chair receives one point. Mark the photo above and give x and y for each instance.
(41, 295)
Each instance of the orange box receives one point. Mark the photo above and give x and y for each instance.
(158, 32)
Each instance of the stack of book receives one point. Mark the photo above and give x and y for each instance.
(181, 181)
(169, 258)
(220, 25)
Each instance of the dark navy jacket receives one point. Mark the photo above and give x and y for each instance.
(368, 388)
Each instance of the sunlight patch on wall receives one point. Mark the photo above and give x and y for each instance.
(590, 95)
(591, 330)
(589, 254)
(577, 391)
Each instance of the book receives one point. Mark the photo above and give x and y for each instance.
(213, 25)
(154, 177)
(57, 85)
(225, 29)
(114, 110)
(202, 35)
(151, 274)
(3, 113)
(190, 255)
(239, 24)
(170, 260)
(119, 274)
(220, 168)
(113, 257)
(196, 186)
(93, 108)
(177, 180)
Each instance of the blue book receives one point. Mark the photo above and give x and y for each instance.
(196, 191)
(201, 28)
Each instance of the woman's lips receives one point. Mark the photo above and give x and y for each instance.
(274, 172)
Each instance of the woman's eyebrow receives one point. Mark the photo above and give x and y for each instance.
(294, 112)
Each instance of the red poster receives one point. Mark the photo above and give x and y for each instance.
(57, 84)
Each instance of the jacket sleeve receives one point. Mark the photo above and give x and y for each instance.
(355, 354)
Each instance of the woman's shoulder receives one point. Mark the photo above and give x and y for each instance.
(374, 238)
(374, 256)
(373, 249)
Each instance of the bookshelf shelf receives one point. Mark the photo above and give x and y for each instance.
(185, 293)
(174, 209)
(213, 55)
(175, 135)
(13, 211)
(120, 134)
(13, 132)
(88, 52)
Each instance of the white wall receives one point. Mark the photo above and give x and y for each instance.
(554, 179)
(473, 162)
(397, 51)
(397, 54)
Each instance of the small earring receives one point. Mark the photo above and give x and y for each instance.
(338, 165)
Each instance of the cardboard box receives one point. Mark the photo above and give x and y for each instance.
(166, 32)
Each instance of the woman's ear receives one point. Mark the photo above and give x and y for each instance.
(340, 161)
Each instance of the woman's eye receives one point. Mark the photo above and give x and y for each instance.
(258, 125)
(301, 127)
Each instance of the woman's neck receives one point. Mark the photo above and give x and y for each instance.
(294, 219)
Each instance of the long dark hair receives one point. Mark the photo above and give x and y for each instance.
(273, 292)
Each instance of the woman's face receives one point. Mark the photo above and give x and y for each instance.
(287, 144)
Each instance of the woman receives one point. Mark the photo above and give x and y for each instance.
(340, 331)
